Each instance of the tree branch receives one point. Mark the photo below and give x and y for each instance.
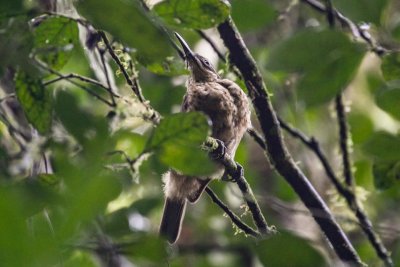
(356, 30)
(344, 141)
(236, 172)
(348, 194)
(234, 218)
(285, 165)
(132, 82)
(69, 78)
(135, 88)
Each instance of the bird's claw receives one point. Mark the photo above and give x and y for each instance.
(226, 177)
(220, 151)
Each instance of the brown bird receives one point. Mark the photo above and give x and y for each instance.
(224, 102)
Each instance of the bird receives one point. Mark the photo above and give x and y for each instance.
(227, 106)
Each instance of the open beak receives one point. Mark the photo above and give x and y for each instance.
(190, 57)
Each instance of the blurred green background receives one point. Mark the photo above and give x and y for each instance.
(68, 193)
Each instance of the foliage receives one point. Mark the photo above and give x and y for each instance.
(81, 157)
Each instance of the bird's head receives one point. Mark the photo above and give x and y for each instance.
(200, 68)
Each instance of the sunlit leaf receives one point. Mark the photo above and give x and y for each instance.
(177, 141)
(55, 38)
(36, 101)
(197, 14)
(187, 159)
(80, 259)
(316, 55)
(184, 128)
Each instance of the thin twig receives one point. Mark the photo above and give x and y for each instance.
(219, 53)
(70, 76)
(236, 172)
(105, 70)
(356, 30)
(134, 86)
(234, 218)
(344, 141)
(257, 138)
(132, 82)
(348, 194)
(212, 44)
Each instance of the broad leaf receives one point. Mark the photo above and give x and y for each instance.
(36, 101)
(298, 252)
(383, 146)
(130, 25)
(386, 174)
(317, 55)
(177, 141)
(389, 101)
(9, 8)
(55, 38)
(197, 14)
(15, 44)
(181, 128)
(391, 66)
(362, 10)
(250, 15)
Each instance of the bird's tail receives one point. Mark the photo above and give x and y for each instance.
(174, 210)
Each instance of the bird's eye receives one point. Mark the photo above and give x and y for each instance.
(205, 61)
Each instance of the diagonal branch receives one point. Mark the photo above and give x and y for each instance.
(356, 30)
(344, 140)
(234, 218)
(236, 172)
(348, 194)
(280, 157)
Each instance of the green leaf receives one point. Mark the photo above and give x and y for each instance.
(362, 10)
(386, 174)
(187, 159)
(298, 252)
(9, 8)
(177, 141)
(36, 101)
(171, 66)
(318, 55)
(54, 39)
(15, 44)
(250, 15)
(391, 66)
(196, 14)
(130, 25)
(146, 248)
(190, 128)
(80, 259)
(361, 127)
(389, 101)
(383, 146)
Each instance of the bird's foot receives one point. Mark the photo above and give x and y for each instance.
(220, 151)
(226, 177)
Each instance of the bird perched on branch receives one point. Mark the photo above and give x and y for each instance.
(224, 102)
